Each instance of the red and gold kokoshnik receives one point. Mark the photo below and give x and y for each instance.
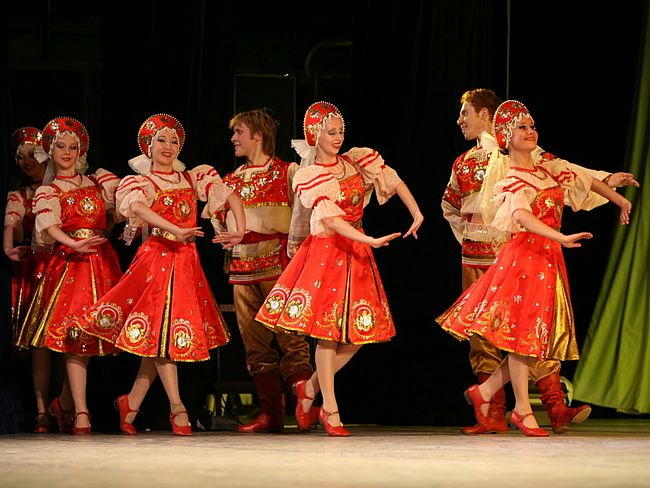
(61, 125)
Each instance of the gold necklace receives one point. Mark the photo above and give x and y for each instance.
(168, 181)
(340, 174)
(68, 179)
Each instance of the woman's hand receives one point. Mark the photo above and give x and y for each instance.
(383, 241)
(618, 180)
(86, 246)
(626, 207)
(418, 218)
(17, 253)
(571, 240)
(185, 234)
(228, 239)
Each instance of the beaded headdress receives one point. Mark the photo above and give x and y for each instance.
(54, 129)
(26, 135)
(317, 115)
(506, 117)
(147, 133)
(153, 125)
(65, 125)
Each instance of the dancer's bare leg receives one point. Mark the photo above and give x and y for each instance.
(41, 367)
(327, 365)
(77, 370)
(169, 376)
(147, 373)
(344, 353)
(519, 371)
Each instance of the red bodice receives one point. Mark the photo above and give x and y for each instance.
(82, 208)
(351, 197)
(548, 206)
(177, 205)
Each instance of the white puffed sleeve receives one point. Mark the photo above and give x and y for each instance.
(375, 172)
(291, 172)
(575, 182)
(108, 183)
(46, 206)
(15, 209)
(318, 189)
(133, 188)
(209, 188)
(594, 199)
(511, 194)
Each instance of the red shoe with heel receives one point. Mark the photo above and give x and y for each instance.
(42, 423)
(179, 429)
(304, 419)
(56, 410)
(518, 420)
(81, 430)
(123, 407)
(474, 398)
(338, 431)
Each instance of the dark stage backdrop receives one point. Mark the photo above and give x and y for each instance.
(396, 70)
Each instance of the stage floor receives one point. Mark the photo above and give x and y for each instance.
(601, 453)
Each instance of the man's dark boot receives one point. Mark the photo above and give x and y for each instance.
(559, 413)
(271, 417)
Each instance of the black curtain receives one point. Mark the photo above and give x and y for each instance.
(396, 70)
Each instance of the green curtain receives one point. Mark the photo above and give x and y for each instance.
(614, 370)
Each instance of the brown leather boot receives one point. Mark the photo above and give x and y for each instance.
(496, 413)
(271, 417)
(560, 415)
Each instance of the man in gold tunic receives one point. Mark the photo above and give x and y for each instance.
(263, 183)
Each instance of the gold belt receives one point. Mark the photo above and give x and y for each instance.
(158, 232)
(86, 233)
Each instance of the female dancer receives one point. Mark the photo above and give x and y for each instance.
(29, 259)
(331, 289)
(73, 212)
(521, 304)
(162, 309)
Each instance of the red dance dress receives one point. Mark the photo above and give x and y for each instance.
(331, 289)
(163, 305)
(26, 273)
(72, 281)
(522, 304)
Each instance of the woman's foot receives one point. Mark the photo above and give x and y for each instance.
(179, 420)
(42, 423)
(81, 423)
(332, 423)
(527, 424)
(64, 415)
(304, 411)
(180, 415)
(127, 414)
(481, 406)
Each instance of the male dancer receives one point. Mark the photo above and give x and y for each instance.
(263, 183)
